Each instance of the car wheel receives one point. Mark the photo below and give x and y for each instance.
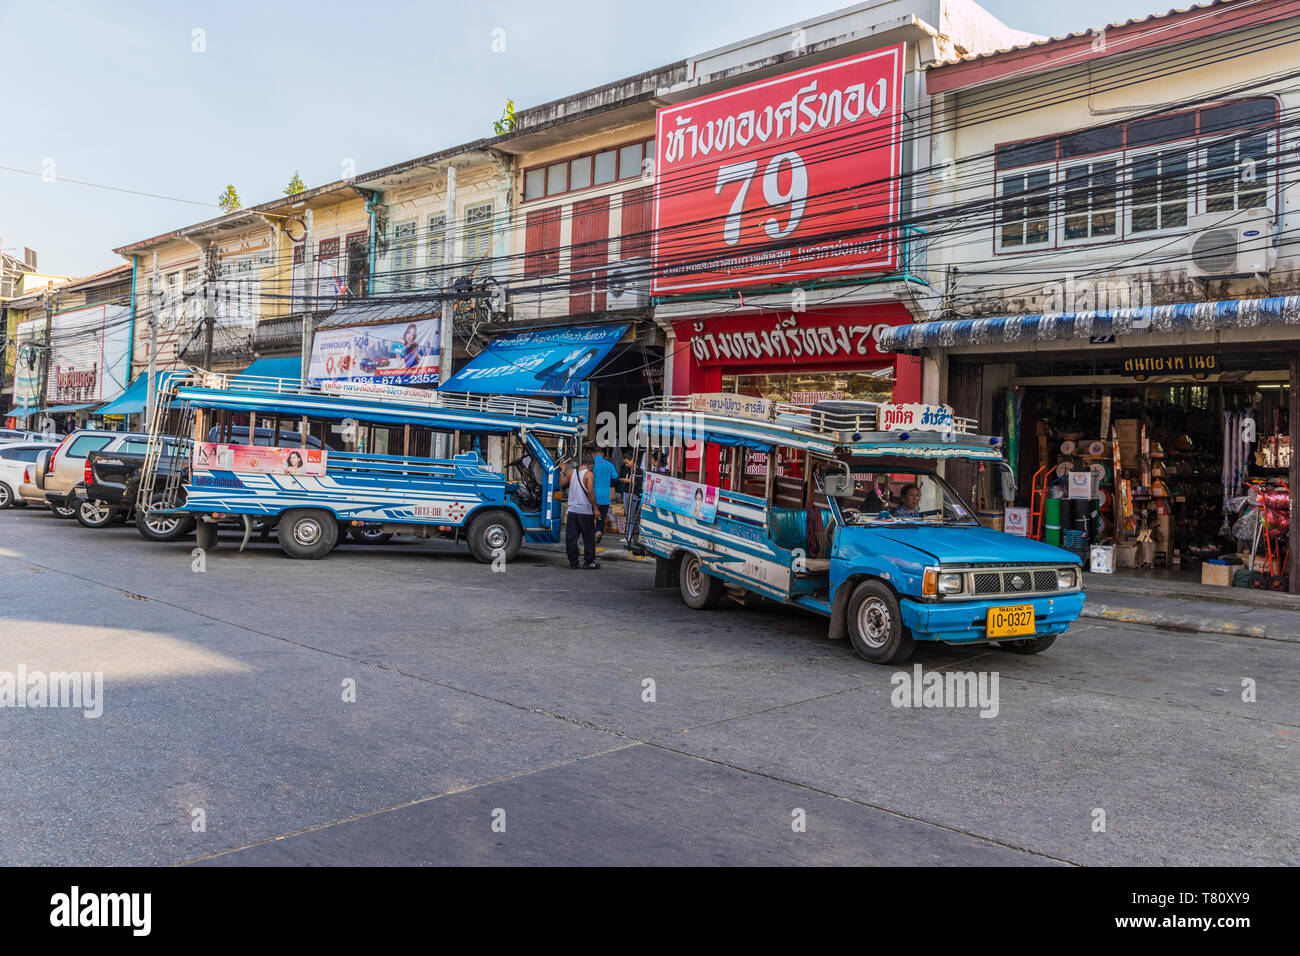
(64, 511)
(876, 625)
(308, 533)
(700, 589)
(370, 535)
(6, 496)
(95, 513)
(163, 527)
(1030, 645)
(494, 531)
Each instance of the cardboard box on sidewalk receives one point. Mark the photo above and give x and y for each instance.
(1218, 575)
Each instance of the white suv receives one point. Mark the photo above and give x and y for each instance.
(15, 456)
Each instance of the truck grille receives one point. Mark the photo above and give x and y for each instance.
(1013, 582)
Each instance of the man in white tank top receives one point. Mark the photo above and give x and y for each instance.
(581, 514)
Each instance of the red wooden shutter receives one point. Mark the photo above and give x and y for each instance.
(636, 226)
(542, 242)
(590, 250)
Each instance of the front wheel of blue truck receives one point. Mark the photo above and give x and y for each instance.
(1031, 645)
(309, 533)
(876, 625)
(494, 532)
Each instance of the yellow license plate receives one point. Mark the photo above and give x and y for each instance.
(1013, 620)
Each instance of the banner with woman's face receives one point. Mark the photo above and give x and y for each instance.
(401, 353)
(265, 459)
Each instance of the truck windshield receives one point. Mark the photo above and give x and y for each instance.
(903, 499)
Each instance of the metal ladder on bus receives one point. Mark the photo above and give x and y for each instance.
(176, 451)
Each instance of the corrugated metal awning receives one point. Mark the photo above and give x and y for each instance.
(377, 310)
(1085, 326)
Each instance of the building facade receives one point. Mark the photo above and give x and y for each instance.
(1116, 284)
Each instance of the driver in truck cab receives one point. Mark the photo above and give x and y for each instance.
(910, 501)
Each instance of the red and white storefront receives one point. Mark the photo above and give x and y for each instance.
(828, 353)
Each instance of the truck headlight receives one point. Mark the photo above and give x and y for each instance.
(1066, 578)
(950, 582)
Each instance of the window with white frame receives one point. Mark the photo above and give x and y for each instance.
(1158, 190)
(1138, 178)
(1025, 210)
(435, 251)
(1236, 173)
(401, 257)
(478, 238)
(1089, 200)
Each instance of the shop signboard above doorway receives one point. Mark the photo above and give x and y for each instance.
(1199, 365)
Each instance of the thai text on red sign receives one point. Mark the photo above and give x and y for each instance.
(783, 180)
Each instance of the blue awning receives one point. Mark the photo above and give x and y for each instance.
(132, 401)
(539, 362)
(1089, 326)
(21, 411)
(280, 366)
(60, 409)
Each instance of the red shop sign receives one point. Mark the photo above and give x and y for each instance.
(844, 337)
(788, 179)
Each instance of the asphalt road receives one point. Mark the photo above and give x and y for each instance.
(501, 718)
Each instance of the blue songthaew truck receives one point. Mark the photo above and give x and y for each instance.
(842, 508)
(354, 457)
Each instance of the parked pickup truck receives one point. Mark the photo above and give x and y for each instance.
(110, 488)
(112, 483)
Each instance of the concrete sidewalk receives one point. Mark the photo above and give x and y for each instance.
(1172, 605)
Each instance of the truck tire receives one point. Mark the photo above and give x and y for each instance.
(308, 533)
(700, 590)
(876, 625)
(96, 513)
(491, 531)
(163, 527)
(1029, 645)
(6, 496)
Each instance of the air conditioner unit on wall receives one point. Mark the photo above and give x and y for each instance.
(627, 285)
(1234, 243)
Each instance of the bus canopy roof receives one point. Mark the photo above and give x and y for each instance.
(447, 411)
(850, 428)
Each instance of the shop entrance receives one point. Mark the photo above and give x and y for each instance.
(1179, 476)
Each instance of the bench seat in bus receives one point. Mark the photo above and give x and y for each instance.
(788, 529)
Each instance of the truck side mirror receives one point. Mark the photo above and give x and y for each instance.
(837, 486)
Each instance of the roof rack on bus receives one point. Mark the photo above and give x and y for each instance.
(396, 394)
(836, 420)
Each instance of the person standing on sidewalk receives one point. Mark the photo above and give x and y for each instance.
(581, 515)
(631, 492)
(603, 475)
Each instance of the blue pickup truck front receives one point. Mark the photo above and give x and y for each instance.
(948, 578)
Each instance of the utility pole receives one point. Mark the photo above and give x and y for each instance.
(446, 342)
(450, 245)
(48, 300)
(154, 298)
(209, 301)
(308, 298)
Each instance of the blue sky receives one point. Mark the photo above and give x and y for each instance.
(114, 93)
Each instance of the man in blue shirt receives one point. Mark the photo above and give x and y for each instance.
(603, 475)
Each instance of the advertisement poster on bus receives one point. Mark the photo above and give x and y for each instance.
(789, 179)
(265, 459)
(680, 497)
(402, 353)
